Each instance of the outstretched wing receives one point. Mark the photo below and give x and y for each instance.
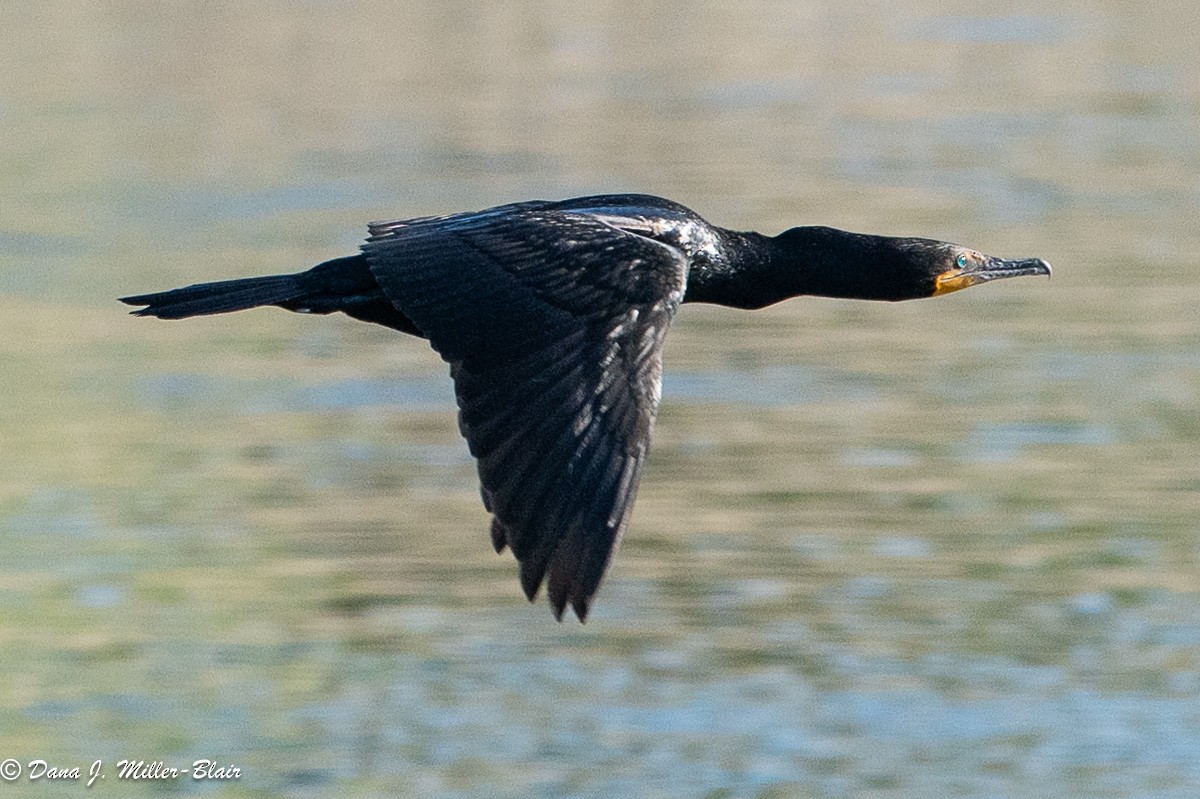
(552, 321)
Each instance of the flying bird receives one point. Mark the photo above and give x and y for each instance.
(552, 316)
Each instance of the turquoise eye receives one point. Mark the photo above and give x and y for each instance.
(962, 261)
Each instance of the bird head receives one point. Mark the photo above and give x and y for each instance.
(835, 263)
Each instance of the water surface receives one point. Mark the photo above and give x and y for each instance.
(939, 548)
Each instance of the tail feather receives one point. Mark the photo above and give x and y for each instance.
(221, 297)
(340, 284)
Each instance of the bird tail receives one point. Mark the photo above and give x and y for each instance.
(221, 297)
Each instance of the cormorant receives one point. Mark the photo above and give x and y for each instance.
(552, 316)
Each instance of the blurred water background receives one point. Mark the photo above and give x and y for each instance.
(944, 548)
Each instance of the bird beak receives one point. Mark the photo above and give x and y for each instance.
(989, 269)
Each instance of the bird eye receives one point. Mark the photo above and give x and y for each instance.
(961, 262)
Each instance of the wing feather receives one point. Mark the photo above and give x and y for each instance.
(552, 321)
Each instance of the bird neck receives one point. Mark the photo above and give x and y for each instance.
(754, 270)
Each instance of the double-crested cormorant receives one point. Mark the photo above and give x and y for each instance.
(552, 315)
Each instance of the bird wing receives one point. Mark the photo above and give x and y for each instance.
(553, 322)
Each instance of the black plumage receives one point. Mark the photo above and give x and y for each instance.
(552, 316)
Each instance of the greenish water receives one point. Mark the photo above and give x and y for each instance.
(943, 548)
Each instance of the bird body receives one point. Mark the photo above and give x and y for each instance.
(552, 316)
